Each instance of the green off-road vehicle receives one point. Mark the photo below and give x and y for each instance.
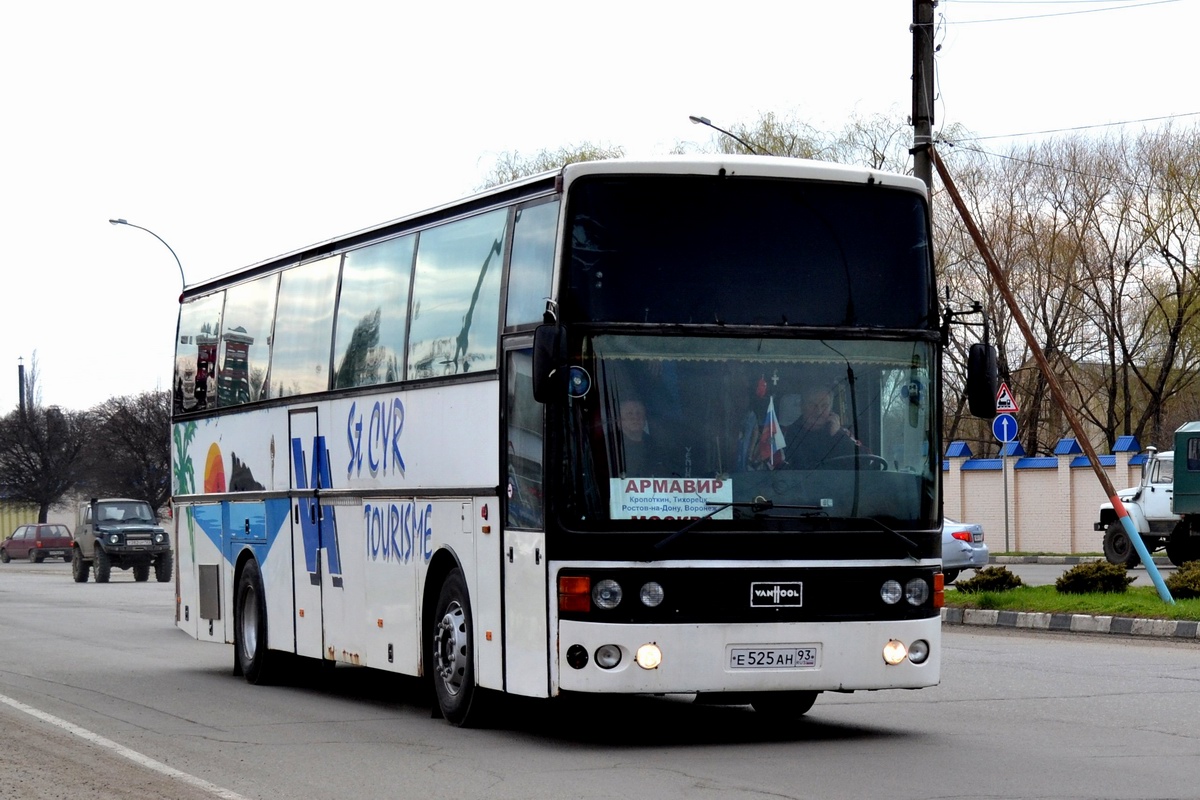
(121, 534)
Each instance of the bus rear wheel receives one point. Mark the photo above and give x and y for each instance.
(784, 705)
(452, 653)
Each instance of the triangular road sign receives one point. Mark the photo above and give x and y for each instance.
(1005, 404)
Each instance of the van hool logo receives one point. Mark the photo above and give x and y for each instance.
(776, 594)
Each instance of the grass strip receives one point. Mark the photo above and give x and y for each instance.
(1137, 601)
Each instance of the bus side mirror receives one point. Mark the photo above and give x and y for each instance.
(983, 380)
(550, 364)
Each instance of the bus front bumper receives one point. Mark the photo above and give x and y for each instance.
(820, 656)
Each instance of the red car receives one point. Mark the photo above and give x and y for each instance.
(35, 542)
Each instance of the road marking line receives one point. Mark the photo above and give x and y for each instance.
(121, 750)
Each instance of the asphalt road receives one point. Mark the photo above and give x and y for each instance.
(100, 697)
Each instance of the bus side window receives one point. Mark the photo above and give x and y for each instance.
(456, 296)
(532, 263)
(524, 444)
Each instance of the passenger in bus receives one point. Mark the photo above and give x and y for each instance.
(639, 456)
(815, 436)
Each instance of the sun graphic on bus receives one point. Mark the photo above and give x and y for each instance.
(214, 471)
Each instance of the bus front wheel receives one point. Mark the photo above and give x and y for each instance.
(452, 652)
(251, 656)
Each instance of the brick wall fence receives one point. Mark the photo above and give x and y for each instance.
(1052, 501)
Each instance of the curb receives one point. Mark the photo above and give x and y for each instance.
(1073, 623)
(1159, 561)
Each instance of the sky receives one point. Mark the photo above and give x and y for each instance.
(237, 131)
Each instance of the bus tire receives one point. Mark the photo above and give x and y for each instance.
(79, 567)
(784, 705)
(102, 565)
(452, 653)
(253, 659)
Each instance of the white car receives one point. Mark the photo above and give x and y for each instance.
(962, 548)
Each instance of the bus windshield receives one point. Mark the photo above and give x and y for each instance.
(667, 428)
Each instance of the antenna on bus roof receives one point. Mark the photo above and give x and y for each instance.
(706, 121)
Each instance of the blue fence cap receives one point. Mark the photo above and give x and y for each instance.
(1127, 444)
(1067, 447)
(1012, 449)
(958, 450)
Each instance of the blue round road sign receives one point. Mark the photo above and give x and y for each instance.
(1004, 427)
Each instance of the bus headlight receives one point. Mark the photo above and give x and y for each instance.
(918, 651)
(607, 594)
(894, 652)
(891, 592)
(648, 656)
(916, 591)
(651, 594)
(608, 656)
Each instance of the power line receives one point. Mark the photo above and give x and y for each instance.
(1055, 167)
(1030, 2)
(1064, 13)
(1079, 127)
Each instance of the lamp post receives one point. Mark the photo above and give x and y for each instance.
(182, 279)
(706, 121)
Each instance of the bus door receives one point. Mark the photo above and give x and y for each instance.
(523, 553)
(310, 561)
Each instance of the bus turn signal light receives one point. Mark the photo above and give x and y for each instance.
(574, 593)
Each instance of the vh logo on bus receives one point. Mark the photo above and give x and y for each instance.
(374, 436)
(776, 595)
(319, 533)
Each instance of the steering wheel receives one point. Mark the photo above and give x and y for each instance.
(869, 460)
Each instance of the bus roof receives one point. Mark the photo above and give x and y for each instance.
(547, 182)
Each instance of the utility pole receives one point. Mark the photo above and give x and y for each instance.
(21, 384)
(922, 86)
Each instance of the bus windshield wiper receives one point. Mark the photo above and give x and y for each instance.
(758, 505)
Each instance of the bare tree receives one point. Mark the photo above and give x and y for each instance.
(40, 455)
(129, 454)
(511, 166)
(1170, 214)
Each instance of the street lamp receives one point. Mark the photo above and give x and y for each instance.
(706, 121)
(156, 236)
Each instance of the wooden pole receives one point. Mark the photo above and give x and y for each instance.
(1052, 381)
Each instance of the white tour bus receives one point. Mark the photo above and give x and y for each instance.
(660, 426)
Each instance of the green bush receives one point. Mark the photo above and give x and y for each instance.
(990, 579)
(1092, 577)
(1184, 583)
